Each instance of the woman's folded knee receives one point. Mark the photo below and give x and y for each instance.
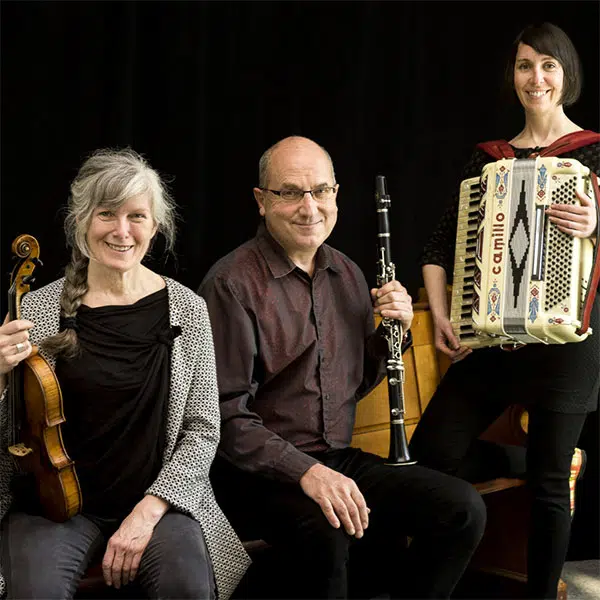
(467, 509)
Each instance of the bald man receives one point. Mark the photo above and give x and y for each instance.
(296, 349)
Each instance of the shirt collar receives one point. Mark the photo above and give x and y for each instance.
(280, 263)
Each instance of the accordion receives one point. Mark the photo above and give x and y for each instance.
(517, 277)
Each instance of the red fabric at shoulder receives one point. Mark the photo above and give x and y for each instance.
(497, 149)
(502, 149)
(570, 142)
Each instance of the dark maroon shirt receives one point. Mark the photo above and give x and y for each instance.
(294, 354)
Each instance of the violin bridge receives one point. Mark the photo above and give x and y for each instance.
(20, 450)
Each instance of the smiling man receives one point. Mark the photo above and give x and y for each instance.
(296, 349)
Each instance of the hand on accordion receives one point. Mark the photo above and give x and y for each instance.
(578, 221)
(446, 342)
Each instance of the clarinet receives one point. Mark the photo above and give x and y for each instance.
(386, 271)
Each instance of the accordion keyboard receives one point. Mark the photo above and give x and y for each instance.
(470, 212)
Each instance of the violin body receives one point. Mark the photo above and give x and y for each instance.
(36, 417)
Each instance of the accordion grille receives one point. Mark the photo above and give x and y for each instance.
(559, 251)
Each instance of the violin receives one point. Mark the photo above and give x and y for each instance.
(35, 408)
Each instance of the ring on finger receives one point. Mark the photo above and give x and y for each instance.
(20, 346)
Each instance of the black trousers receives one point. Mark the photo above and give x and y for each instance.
(44, 559)
(444, 517)
(464, 405)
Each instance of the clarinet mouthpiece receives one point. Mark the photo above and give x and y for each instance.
(380, 186)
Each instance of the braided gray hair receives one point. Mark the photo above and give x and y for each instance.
(109, 178)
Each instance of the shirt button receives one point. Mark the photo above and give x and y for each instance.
(326, 396)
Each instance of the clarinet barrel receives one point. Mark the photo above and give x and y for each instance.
(386, 272)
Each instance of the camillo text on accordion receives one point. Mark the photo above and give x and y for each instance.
(517, 277)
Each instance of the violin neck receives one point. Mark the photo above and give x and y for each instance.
(14, 383)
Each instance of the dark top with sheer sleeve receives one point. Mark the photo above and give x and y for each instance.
(561, 377)
(115, 398)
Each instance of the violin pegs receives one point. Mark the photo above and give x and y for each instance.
(28, 279)
(37, 262)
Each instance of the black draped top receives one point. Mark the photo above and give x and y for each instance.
(115, 398)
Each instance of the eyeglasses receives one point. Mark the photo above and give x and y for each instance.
(320, 194)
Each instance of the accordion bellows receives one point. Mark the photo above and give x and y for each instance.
(517, 277)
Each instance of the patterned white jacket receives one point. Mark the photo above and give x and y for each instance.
(193, 426)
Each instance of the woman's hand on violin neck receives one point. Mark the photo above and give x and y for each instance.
(126, 546)
(14, 343)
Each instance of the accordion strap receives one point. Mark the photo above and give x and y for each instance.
(570, 142)
(497, 149)
(595, 278)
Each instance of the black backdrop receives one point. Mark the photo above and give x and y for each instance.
(403, 89)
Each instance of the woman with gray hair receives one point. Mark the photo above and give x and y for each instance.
(133, 354)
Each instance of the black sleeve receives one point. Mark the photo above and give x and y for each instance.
(439, 248)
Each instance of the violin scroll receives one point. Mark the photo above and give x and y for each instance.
(26, 250)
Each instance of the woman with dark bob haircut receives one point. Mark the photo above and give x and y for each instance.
(557, 383)
(549, 40)
(133, 354)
